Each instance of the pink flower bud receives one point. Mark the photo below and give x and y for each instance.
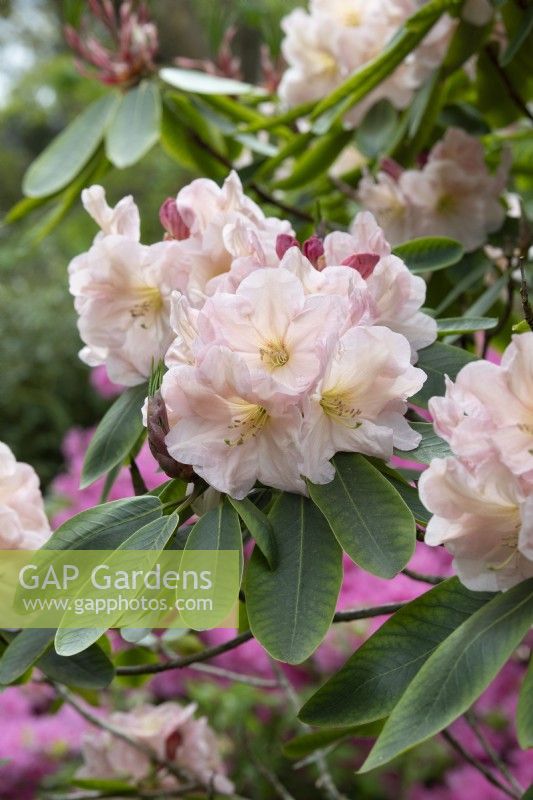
(313, 249)
(284, 242)
(364, 263)
(391, 168)
(172, 221)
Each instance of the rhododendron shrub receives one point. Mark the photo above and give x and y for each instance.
(324, 365)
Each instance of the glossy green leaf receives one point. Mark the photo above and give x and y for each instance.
(449, 325)
(135, 127)
(308, 743)
(291, 607)
(429, 253)
(314, 161)
(190, 80)
(373, 680)
(431, 445)
(520, 37)
(372, 523)
(66, 156)
(105, 527)
(259, 527)
(524, 713)
(23, 651)
(115, 436)
(437, 361)
(456, 673)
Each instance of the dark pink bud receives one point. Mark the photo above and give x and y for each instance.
(391, 168)
(313, 249)
(158, 427)
(284, 242)
(172, 221)
(364, 263)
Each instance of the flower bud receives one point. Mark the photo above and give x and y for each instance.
(364, 263)
(172, 221)
(284, 242)
(158, 427)
(391, 168)
(313, 249)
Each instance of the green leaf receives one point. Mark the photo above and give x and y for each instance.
(431, 446)
(429, 253)
(290, 608)
(377, 129)
(437, 361)
(521, 327)
(449, 325)
(367, 515)
(314, 161)
(115, 436)
(66, 156)
(183, 145)
(152, 538)
(136, 125)
(519, 39)
(308, 743)
(528, 794)
(23, 651)
(259, 527)
(373, 680)
(218, 530)
(88, 670)
(524, 713)
(190, 80)
(105, 527)
(456, 673)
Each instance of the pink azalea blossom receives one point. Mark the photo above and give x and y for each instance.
(173, 734)
(122, 220)
(23, 522)
(484, 517)
(360, 403)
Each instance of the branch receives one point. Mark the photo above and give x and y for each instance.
(458, 747)
(424, 578)
(513, 94)
(231, 644)
(524, 296)
(498, 762)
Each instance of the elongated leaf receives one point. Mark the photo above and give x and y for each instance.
(290, 608)
(519, 38)
(115, 436)
(308, 743)
(135, 126)
(367, 515)
(373, 680)
(23, 651)
(449, 325)
(429, 253)
(65, 157)
(437, 361)
(190, 80)
(88, 670)
(152, 538)
(456, 673)
(524, 713)
(431, 446)
(316, 159)
(377, 129)
(259, 527)
(105, 527)
(218, 530)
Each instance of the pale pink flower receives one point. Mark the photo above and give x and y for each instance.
(360, 403)
(233, 425)
(275, 327)
(224, 224)
(395, 294)
(477, 12)
(23, 522)
(488, 411)
(122, 220)
(484, 517)
(454, 194)
(173, 734)
(122, 295)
